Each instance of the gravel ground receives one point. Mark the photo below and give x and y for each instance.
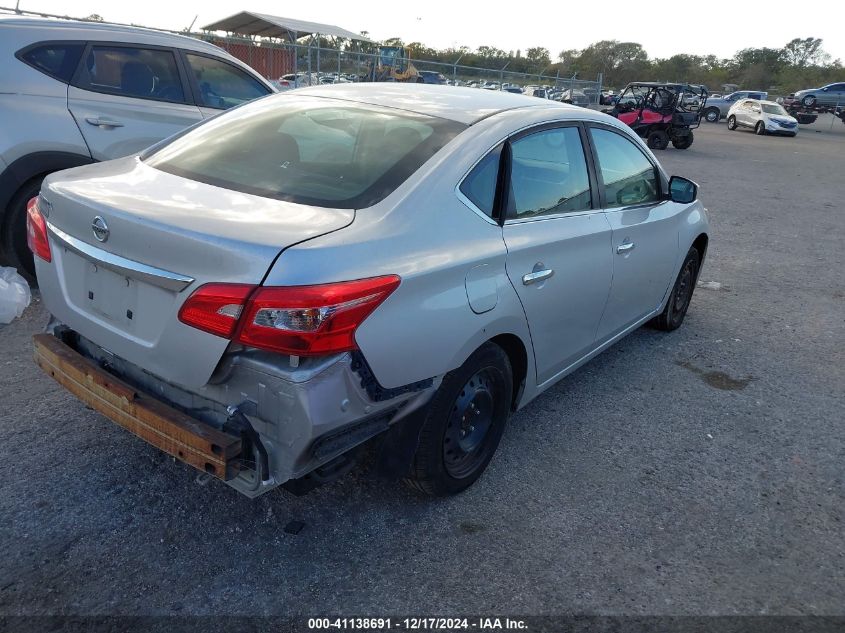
(699, 472)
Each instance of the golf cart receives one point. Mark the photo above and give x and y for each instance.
(661, 112)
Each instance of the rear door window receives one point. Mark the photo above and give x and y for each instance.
(141, 73)
(56, 59)
(548, 174)
(221, 85)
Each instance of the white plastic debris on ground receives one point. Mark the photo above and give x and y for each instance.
(14, 294)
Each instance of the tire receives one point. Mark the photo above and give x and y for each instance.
(760, 128)
(712, 115)
(683, 142)
(809, 101)
(454, 449)
(679, 299)
(732, 122)
(657, 140)
(14, 230)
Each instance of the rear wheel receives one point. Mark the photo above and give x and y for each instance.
(732, 122)
(760, 128)
(712, 115)
(657, 140)
(679, 299)
(14, 230)
(683, 142)
(464, 423)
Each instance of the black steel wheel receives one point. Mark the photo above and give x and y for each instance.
(468, 426)
(732, 122)
(679, 299)
(464, 423)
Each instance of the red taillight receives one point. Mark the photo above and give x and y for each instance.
(36, 231)
(298, 320)
(215, 308)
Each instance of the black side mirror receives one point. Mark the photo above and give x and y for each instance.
(682, 190)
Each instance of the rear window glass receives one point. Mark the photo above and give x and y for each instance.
(59, 60)
(134, 72)
(307, 150)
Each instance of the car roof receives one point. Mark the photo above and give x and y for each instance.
(108, 31)
(464, 105)
(661, 84)
(762, 101)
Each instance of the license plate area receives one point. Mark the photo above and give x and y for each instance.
(110, 295)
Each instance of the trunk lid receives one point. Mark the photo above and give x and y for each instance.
(164, 236)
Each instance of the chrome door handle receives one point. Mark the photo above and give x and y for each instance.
(102, 122)
(625, 247)
(537, 275)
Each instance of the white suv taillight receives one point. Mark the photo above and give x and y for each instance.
(297, 320)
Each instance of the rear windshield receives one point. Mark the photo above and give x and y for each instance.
(308, 150)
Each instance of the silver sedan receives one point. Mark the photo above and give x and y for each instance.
(393, 266)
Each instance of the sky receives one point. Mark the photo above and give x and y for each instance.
(552, 24)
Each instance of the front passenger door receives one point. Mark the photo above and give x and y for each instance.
(219, 85)
(644, 245)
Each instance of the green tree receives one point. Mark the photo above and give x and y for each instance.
(538, 57)
(805, 52)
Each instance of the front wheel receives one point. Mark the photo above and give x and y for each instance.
(712, 115)
(683, 142)
(732, 122)
(760, 128)
(464, 423)
(679, 299)
(809, 101)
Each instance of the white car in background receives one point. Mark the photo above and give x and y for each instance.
(764, 117)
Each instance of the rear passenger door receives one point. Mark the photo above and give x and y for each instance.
(558, 242)
(743, 113)
(644, 244)
(125, 98)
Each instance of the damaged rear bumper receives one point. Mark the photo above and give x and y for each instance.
(258, 423)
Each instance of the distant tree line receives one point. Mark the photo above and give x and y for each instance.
(801, 63)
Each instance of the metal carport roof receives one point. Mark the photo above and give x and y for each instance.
(249, 23)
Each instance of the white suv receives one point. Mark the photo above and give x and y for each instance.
(73, 93)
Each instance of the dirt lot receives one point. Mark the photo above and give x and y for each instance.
(699, 472)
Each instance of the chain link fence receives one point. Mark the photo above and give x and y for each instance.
(314, 65)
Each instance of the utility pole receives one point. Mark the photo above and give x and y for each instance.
(455, 67)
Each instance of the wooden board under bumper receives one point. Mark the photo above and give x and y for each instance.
(185, 438)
